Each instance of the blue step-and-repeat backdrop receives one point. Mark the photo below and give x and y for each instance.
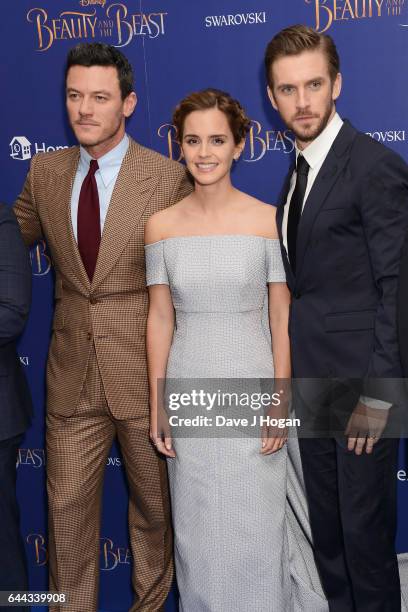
(175, 47)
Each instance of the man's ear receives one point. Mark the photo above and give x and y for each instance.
(338, 82)
(271, 98)
(129, 104)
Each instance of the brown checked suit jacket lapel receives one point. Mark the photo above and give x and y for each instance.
(60, 215)
(133, 189)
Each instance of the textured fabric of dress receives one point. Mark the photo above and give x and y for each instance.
(240, 519)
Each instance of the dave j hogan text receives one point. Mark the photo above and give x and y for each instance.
(257, 420)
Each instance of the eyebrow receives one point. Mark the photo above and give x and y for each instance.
(211, 136)
(99, 91)
(318, 78)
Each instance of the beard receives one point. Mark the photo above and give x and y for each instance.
(101, 134)
(307, 134)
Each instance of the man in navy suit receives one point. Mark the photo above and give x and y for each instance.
(342, 219)
(15, 401)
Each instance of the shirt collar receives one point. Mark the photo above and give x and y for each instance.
(319, 148)
(109, 164)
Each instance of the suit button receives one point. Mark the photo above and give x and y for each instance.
(93, 301)
(89, 336)
(297, 295)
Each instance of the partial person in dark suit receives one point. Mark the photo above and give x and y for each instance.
(15, 401)
(403, 310)
(342, 219)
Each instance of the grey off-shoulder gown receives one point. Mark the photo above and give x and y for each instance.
(242, 540)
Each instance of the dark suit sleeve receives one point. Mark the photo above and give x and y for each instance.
(25, 209)
(15, 278)
(384, 210)
(403, 308)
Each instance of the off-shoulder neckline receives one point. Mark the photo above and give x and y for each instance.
(212, 236)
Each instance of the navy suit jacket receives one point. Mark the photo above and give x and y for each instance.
(350, 236)
(403, 310)
(15, 296)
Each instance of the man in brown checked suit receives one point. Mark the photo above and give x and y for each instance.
(90, 203)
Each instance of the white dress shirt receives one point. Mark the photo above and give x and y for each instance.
(315, 154)
(105, 176)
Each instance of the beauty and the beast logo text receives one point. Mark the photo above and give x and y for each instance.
(40, 261)
(90, 2)
(258, 143)
(31, 457)
(116, 23)
(327, 12)
(111, 555)
(37, 548)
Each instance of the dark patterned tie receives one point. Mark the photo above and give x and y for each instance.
(89, 227)
(295, 208)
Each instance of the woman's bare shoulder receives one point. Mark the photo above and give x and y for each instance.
(261, 217)
(160, 225)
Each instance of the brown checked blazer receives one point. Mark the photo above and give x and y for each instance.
(111, 311)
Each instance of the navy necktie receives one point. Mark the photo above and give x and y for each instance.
(295, 208)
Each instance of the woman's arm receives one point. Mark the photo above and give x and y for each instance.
(279, 299)
(159, 334)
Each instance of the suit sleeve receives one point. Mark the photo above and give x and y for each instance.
(182, 188)
(403, 308)
(26, 212)
(384, 210)
(15, 278)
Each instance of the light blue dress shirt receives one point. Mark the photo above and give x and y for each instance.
(106, 175)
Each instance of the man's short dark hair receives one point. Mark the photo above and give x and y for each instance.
(100, 54)
(296, 39)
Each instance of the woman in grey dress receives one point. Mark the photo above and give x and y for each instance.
(219, 310)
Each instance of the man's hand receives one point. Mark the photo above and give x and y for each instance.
(365, 427)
